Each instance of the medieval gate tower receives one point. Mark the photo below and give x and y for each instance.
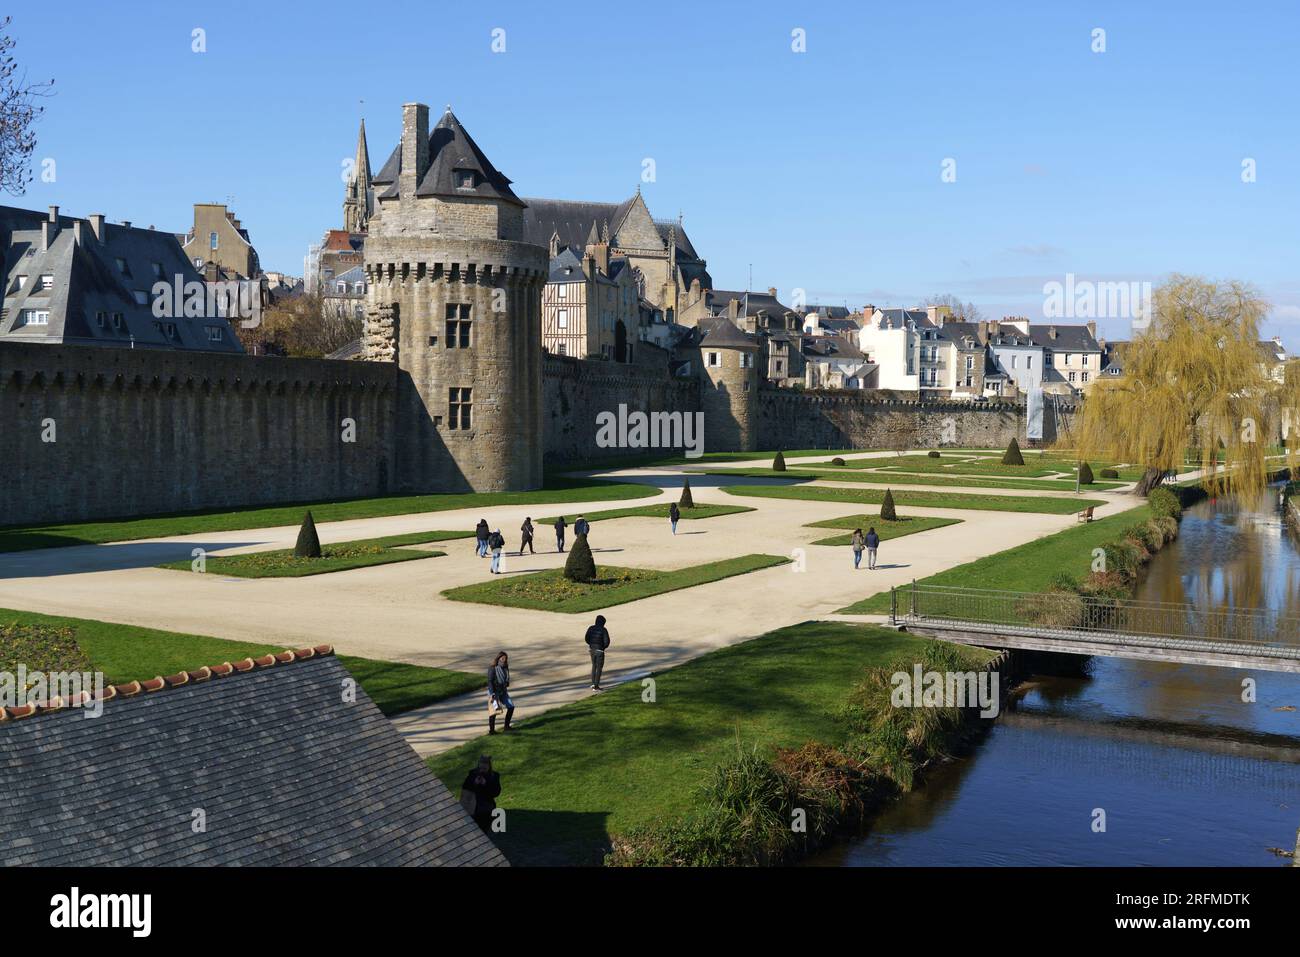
(454, 298)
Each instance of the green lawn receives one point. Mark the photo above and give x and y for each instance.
(886, 530)
(338, 557)
(654, 511)
(557, 490)
(1028, 568)
(575, 775)
(845, 474)
(656, 459)
(1036, 465)
(996, 503)
(551, 591)
(127, 653)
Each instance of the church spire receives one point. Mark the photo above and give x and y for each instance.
(358, 202)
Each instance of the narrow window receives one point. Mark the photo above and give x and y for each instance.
(562, 317)
(212, 240)
(458, 336)
(459, 404)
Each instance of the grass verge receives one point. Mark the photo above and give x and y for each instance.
(576, 775)
(995, 503)
(557, 490)
(551, 591)
(1031, 567)
(653, 511)
(886, 530)
(845, 474)
(127, 653)
(339, 557)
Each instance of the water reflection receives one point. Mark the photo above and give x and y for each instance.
(1187, 772)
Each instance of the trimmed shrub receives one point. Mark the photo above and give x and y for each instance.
(837, 461)
(887, 511)
(1109, 473)
(1085, 474)
(308, 544)
(1012, 455)
(580, 566)
(1164, 503)
(686, 501)
(778, 463)
(933, 453)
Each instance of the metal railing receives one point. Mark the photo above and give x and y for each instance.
(1069, 615)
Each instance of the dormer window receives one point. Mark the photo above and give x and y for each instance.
(157, 270)
(47, 281)
(464, 179)
(122, 267)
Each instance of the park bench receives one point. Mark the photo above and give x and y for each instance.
(1086, 514)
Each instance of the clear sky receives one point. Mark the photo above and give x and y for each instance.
(820, 169)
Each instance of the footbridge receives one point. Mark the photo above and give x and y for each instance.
(1248, 638)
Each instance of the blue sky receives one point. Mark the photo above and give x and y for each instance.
(820, 169)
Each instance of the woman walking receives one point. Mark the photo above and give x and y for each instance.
(496, 542)
(674, 516)
(858, 543)
(499, 692)
(481, 534)
(873, 543)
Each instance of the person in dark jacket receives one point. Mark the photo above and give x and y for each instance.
(499, 692)
(597, 641)
(581, 526)
(479, 792)
(481, 535)
(674, 516)
(873, 543)
(560, 526)
(527, 529)
(496, 542)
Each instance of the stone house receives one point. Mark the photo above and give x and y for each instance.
(1072, 356)
(217, 237)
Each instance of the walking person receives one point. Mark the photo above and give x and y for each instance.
(527, 529)
(496, 542)
(674, 516)
(581, 526)
(858, 543)
(597, 641)
(560, 526)
(479, 792)
(499, 692)
(482, 534)
(873, 543)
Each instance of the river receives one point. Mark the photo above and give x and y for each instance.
(1185, 771)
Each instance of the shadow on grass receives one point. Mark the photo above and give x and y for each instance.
(47, 563)
(535, 838)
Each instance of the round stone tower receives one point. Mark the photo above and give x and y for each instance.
(728, 364)
(454, 298)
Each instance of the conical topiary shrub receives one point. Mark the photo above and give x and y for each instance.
(1013, 456)
(580, 566)
(778, 463)
(1085, 474)
(308, 544)
(887, 512)
(686, 501)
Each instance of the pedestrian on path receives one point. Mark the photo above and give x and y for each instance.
(597, 641)
(674, 516)
(560, 526)
(479, 792)
(482, 534)
(873, 543)
(496, 542)
(581, 526)
(499, 692)
(527, 529)
(858, 543)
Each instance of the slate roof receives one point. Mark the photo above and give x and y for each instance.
(719, 332)
(830, 312)
(285, 771)
(88, 280)
(898, 318)
(572, 220)
(1069, 338)
(720, 299)
(451, 149)
(1112, 357)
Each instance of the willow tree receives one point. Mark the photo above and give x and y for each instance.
(1194, 391)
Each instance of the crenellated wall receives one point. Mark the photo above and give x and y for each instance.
(141, 431)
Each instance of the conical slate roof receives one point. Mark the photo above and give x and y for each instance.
(451, 151)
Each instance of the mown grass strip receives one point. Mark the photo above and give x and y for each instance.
(886, 530)
(652, 511)
(1044, 504)
(843, 474)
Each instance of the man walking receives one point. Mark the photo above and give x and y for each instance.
(527, 529)
(597, 641)
(481, 535)
(560, 526)
(873, 543)
(496, 542)
(581, 526)
(674, 516)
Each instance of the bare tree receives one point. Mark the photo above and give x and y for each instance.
(306, 326)
(18, 114)
(961, 311)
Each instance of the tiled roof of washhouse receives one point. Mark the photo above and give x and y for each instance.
(283, 767)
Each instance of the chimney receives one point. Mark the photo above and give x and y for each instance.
(733, 309)
(97, 225)
(415, 148)
(126, 223)
(1052, 333)
(771, 291)
(78, 236)
(54, 214)
(984, 330)
(1092, 328)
